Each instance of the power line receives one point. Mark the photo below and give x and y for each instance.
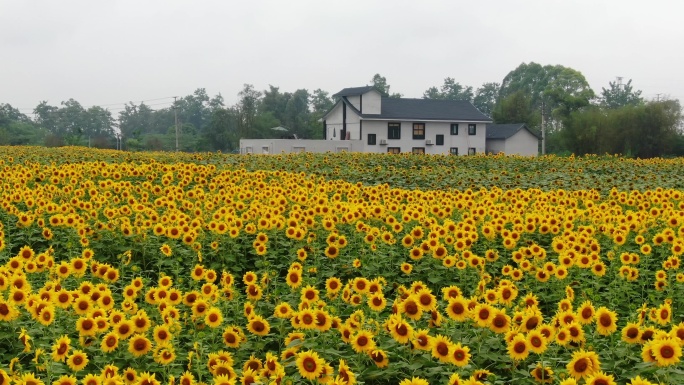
(118, 104)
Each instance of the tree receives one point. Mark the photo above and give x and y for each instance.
(297, 113)
(515, 108)
(620, 95)
(321, 102)
(380, 84)
(485, 98)
(552, 91)
(222, 130)
(450, 90)
(247, 108)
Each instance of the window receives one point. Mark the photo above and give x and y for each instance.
(471, 151)
(418, 150)
(298, 149)
(371, 139)
(453, 151)
(439, 140)
(264, 149)
(418, 130)
(341, 149)
(393, 130)
(454, 128)
(393, 150)
(472, 129)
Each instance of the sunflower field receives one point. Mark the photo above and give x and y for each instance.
(207, 269)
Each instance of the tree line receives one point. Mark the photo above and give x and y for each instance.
(554, 98)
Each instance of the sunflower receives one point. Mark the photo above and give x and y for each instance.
(258, 325)
(640, 381)
(309, 364)
(86, 326)
(426, 300)
(294, 278)
(518, 348)
(400, 330)
(345, 374)
(47, 315)
(406, 268)
(362, 341)
(109, 342)
(26, 379)
(606, 321)
(77, 360)
(483, 314)
(586, 313)
(500, 322)
(283, 310)
(631, 333)
(460, 355)
(414, 381)
(139, 345)
(600, 378)
(377, 302)
(164, 354)
(411, 308)
(232, 337)
(213, 318)
(666, 351)
(124, 329)
(542, 374)
(583, 364)
(457, 308)
(379, 357)
(333, 285)
(536, 341)
(60, 349)
(441, 348)
(91, 379)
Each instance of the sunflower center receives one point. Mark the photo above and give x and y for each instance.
(632, 332)
(605, 320)
(309, 364)
(667, 352)
(519, 347)
(581, 365)
(442, 349)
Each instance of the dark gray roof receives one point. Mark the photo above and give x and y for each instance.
(428, 109)
(353, 91)
(505, 131)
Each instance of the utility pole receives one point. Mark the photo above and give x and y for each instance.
(658, 97)
(175, 116)
(543, 129)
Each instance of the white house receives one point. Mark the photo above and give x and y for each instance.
(512, 139)
(398, 125)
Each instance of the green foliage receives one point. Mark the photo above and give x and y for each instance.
(645, 131)
(450, 90)
(620, 95)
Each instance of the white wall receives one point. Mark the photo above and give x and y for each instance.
(279, 146)
(334, 123)
(496, 146)
(522, 143)
(462, 141)
(371, 103)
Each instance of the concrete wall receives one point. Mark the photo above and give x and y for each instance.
(495, 146)
(279, 146)
(462, 141)
(334, 123)
(522, 143)
(371, 103)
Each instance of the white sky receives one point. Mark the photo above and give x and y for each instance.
(112, 52)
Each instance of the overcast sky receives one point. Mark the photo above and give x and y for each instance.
(112, 52)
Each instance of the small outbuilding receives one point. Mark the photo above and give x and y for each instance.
(512, 139)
